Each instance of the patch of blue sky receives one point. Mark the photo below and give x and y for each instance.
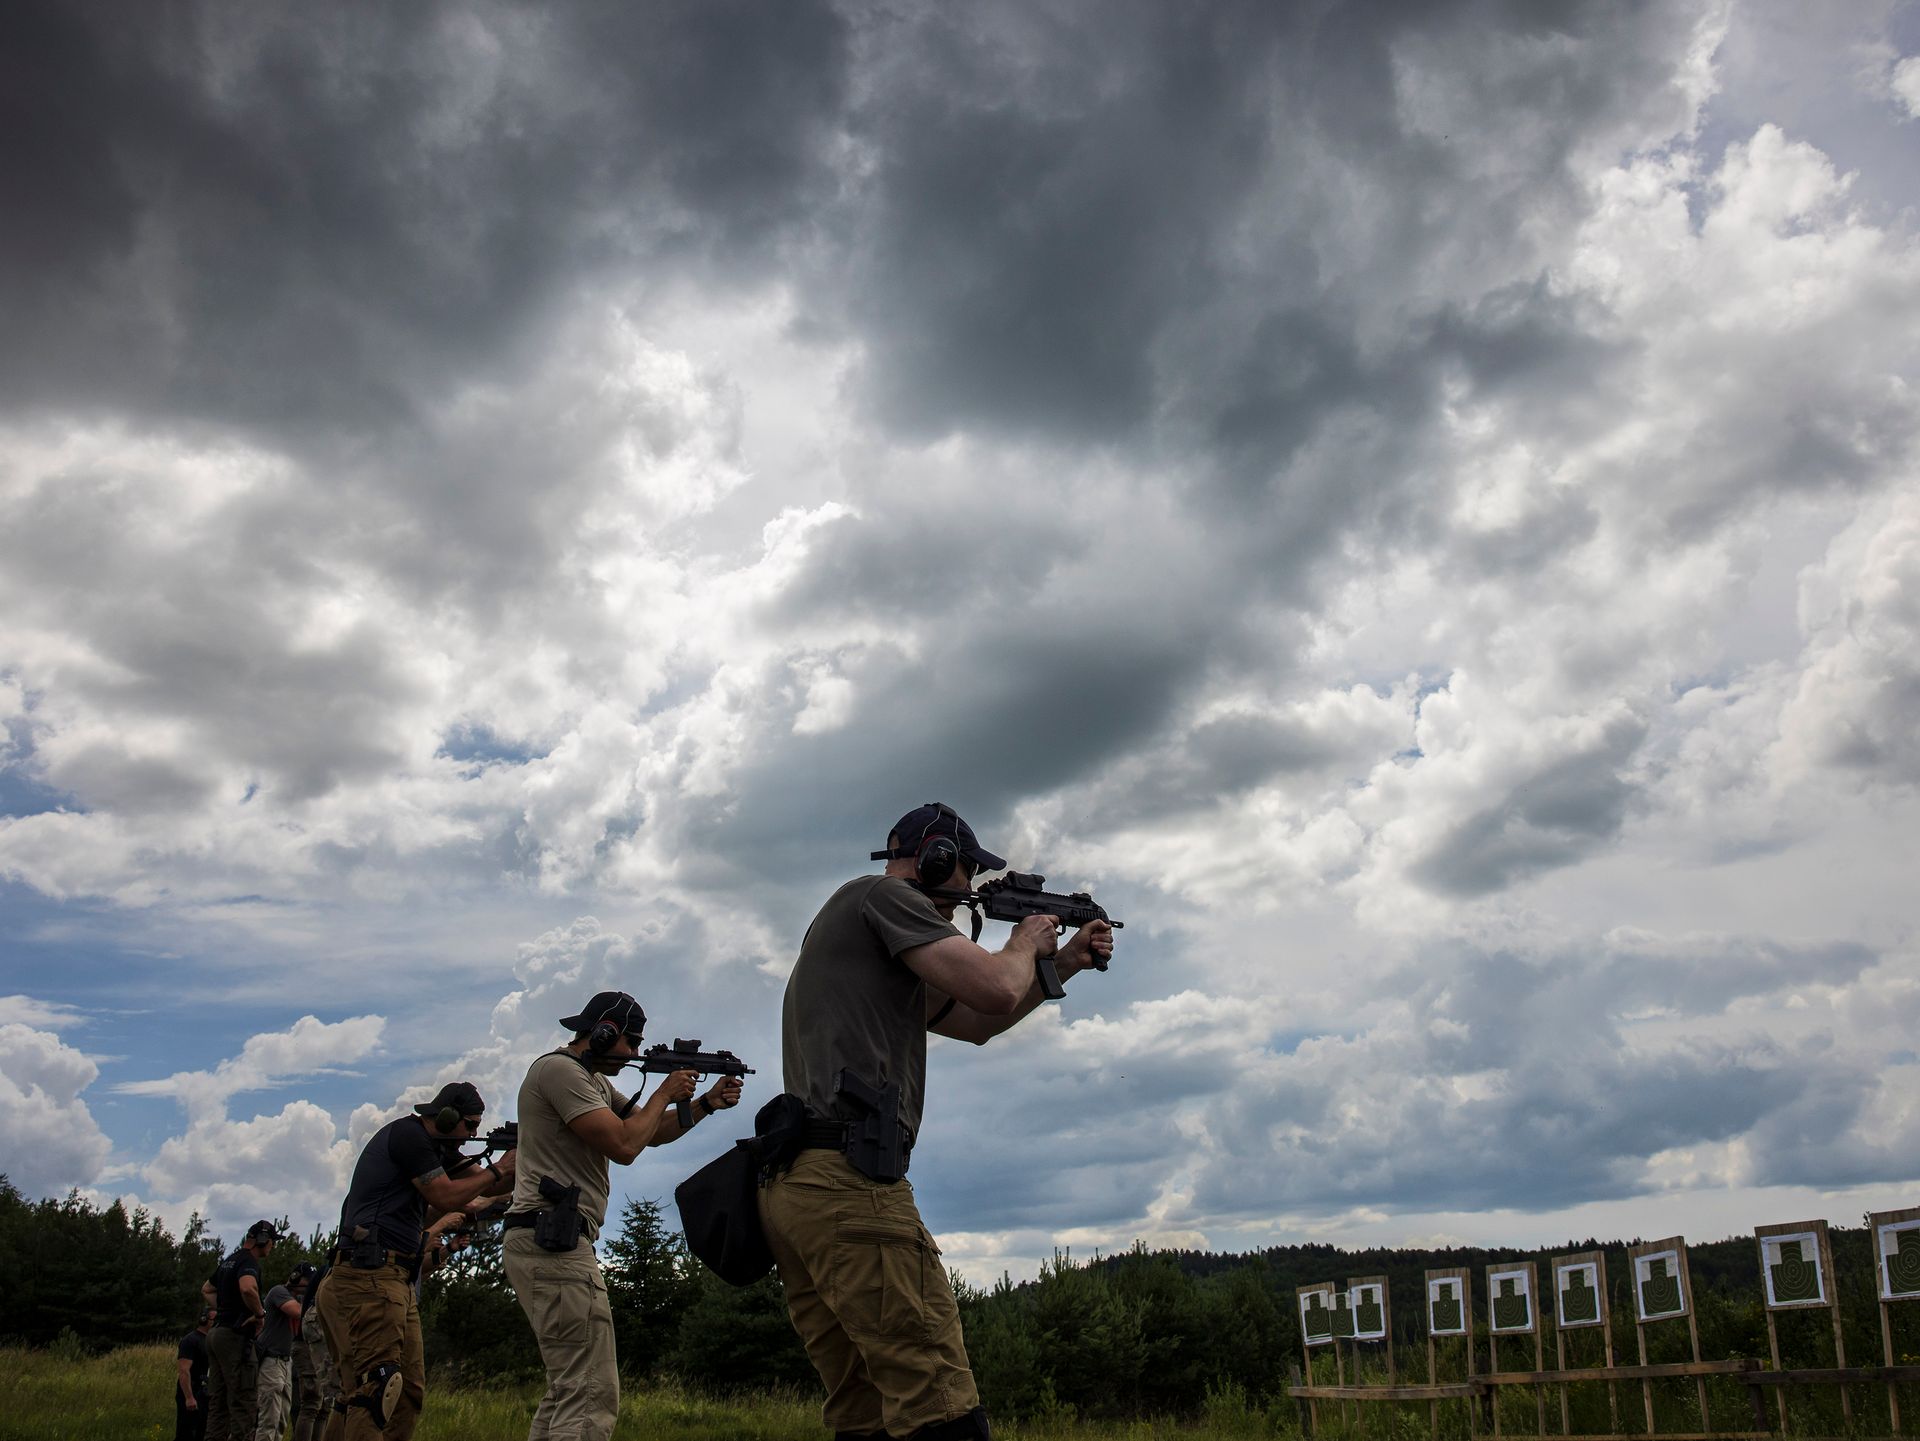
(20, 793)
(477, 745)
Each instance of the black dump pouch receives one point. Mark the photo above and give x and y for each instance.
(559, 1228)
(720, 1203)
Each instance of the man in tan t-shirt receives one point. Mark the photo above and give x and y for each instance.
(881, 966)
(572, 1122)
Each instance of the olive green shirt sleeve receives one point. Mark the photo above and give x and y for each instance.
(902, 917)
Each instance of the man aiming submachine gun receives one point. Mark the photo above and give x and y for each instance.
(664, 1060)
(1019, 894)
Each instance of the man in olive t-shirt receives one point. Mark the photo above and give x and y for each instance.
(881, 966)
(572, 1123)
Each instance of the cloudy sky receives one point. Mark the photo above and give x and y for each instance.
(1417, 506)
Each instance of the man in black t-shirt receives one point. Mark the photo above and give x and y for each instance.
(233, 1371)
(190, 1386)
(411, 1167)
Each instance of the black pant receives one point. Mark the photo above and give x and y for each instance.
(189, 1425)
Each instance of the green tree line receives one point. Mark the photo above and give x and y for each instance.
(1137, 1334)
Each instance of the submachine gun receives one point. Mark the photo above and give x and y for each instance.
(664, 1060)
(1019, 894)
(501, 1139)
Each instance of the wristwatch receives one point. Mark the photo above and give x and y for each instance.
(706, 1105)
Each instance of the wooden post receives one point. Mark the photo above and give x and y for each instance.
(1539, 1394)
(1340, 1379)
(1892, 1286)
(1560, 1363)
(1313, 1414)
(1693, 1333)
(1493, 1366)
(1840, 1354)
(1773, 1350)
(1473, 1359)
(1646, 1387)
(1433, 1378)
(1886, 1350)
(1613, 1387)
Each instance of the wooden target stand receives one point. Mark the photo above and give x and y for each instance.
(1581, 1302)
(1667, 1279)
(1449, 1314)
(1792, 1280)
(1662, 1291)
(1896, 1274)
(1315, 1304)
(1513, 1309)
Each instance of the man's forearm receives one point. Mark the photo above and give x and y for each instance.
(645, 1125)
(669, 1127)
(963, 1023)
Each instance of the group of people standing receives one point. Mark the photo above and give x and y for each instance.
(880, 967)
(254, 1363)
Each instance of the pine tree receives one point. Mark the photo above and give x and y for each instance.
(649, 1284)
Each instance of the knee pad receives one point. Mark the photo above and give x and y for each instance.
(380, 1393)
(970, 1427)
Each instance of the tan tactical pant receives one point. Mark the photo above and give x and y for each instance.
(565, 1298)
(869, 1296)
(372, 1320)
(233, 1373)
(275, 1397)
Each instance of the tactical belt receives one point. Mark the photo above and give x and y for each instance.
(824, 1136)
(832, 1136)
(520, 1220)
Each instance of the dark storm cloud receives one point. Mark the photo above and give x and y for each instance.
(1073, 234)
(1185, 232)
(302, 220)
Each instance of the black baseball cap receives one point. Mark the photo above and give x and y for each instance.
(262, 1231)
(937, 819)
(615, 1006)
(462, 1096)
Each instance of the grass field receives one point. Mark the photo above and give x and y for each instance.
(127, 1396)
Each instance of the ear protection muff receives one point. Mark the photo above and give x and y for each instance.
(605, 1032)
(446, 1121)
(937, 859)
